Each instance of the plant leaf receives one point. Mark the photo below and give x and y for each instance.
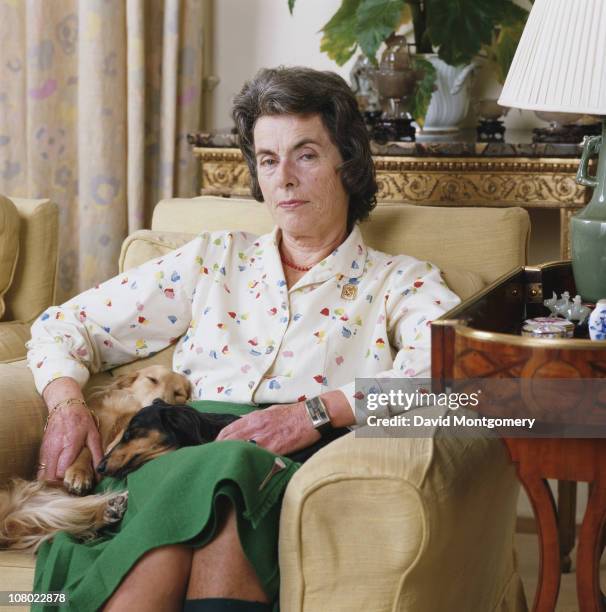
(339, 34)
(291, 6)
(375, 21)
(459, 28)
(424, 90)
(506, 38)
(504, 49)
(511, 14)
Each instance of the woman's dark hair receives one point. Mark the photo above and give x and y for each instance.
(303, 91)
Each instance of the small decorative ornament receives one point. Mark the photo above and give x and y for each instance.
(490, 127)
(562, 305)
(349, 292)
(548, 327)
(565, 324)
(597, 321)
(572, 310)
(578, 312)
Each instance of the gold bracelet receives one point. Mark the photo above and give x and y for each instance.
(69, 402)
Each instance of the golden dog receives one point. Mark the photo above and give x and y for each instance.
(115, 405)
(33, 512)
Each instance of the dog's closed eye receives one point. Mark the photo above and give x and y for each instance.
(153, 380)
(132, 433)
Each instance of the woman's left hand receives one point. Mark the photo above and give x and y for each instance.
(282, 429)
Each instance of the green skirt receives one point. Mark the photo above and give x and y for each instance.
(172, 500)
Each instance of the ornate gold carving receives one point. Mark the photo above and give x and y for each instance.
(488, 181)
(437, 181)
(225, 178)
(218, 154)
(481, 189)
(223, 172)
(475, 164)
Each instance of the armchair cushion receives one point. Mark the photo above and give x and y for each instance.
(9, 246)
(486, 241)
(16, 571)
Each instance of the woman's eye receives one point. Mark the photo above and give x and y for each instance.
(308, 156)
(268, 163)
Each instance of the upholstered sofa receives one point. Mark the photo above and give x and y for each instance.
(374, 525)
(29, 239)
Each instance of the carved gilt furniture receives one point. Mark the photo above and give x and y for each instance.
(479, 339)
(436, 174)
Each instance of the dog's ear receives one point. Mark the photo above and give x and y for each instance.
(181, 423)
(124, 381)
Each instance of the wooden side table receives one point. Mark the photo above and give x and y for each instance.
(572, 460)
(479, 339)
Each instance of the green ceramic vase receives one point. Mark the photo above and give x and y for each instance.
(588, 226)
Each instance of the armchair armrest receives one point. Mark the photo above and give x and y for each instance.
(401, 524)
(13, 336)
(22, 417)
(30, 280)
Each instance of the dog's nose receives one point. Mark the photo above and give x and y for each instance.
(102, 466)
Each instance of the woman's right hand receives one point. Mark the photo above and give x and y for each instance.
(69, 430)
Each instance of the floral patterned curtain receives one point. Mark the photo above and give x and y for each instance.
(96, 98)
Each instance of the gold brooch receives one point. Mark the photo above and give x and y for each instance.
(349, 292)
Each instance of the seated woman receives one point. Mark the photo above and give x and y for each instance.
(286, 320)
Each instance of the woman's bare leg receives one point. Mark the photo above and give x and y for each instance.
(165, 576)
(158, 581)
(221, 569)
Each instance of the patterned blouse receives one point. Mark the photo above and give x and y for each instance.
(241, 334)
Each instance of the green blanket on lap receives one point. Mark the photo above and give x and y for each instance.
(171, 500)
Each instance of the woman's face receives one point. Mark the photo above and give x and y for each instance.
(297, 169)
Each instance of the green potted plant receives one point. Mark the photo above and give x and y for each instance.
(456, 30)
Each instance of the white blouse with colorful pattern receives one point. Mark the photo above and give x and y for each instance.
(242, 335)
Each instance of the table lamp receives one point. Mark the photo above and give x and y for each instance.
(560, 66)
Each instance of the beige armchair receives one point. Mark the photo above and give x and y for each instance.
(401, 524)
(29, 240)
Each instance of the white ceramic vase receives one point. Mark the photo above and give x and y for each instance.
(450, 101)
(597, 321)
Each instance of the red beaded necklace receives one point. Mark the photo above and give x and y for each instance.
(293, 266)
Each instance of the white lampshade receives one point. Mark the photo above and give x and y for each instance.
(560, 62)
